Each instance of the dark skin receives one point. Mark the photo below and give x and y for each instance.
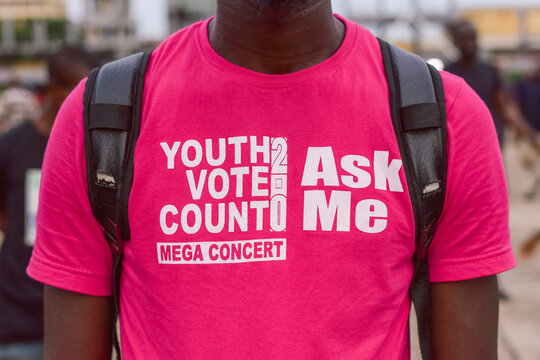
(465, 313)
(291, 43)
(77, 326)
(465, 319)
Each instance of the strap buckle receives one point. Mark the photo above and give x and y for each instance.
(422, 247)
(115, 239)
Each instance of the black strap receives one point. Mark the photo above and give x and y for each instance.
(418, 109)
(117, 270)
(420, 116)
(112, 118)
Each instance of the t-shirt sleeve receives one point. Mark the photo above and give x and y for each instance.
(472, 238)
(70, 250)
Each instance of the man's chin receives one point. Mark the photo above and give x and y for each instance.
(284, 7)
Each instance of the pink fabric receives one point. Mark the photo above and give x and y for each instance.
(244, 253)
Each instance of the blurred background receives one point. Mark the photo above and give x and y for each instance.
(508, 37)
(31, 29)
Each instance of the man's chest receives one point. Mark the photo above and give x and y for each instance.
(234, 185)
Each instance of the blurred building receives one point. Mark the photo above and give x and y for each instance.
(507, 29)
(31, 26)
(416, 25)
(185, 12)
(419, 25)
(29, 31)
(108, 27)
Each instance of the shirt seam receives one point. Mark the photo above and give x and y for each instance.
(450, 164)
(493, 254)
(68, 270)
(317, 75)
(458, 94)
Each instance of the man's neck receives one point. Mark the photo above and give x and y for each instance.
(271, 41)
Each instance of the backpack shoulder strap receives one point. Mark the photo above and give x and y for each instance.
(112, 119)
(418, 108)
(112, 116)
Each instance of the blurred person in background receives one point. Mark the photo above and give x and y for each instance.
(485, 80)
(528, 98)
(16, 105)
(528, 95)
(21, 155)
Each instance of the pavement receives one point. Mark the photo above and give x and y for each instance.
(519, 321)
(519, 331)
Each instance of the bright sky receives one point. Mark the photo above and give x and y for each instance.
(151, 16)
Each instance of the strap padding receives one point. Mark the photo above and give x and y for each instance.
(110, 116)
(113, 80)
(414, 78)
(417, 105)
(420, 116)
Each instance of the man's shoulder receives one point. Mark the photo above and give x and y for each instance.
(11, 141)
(12, 136)
(457, 67)
(488, 67)
(450, 66)
(453, 86)
(530, 84)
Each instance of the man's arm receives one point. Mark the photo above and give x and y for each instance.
(2, 220)
(464, 319)
(77, 326)
(2, 225)
(511, 114)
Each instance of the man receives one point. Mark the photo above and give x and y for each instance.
(271, 100)
(528, 95)
(21, 156)
(17, 104)
(486, 82)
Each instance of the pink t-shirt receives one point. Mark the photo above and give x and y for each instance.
(270, 215)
